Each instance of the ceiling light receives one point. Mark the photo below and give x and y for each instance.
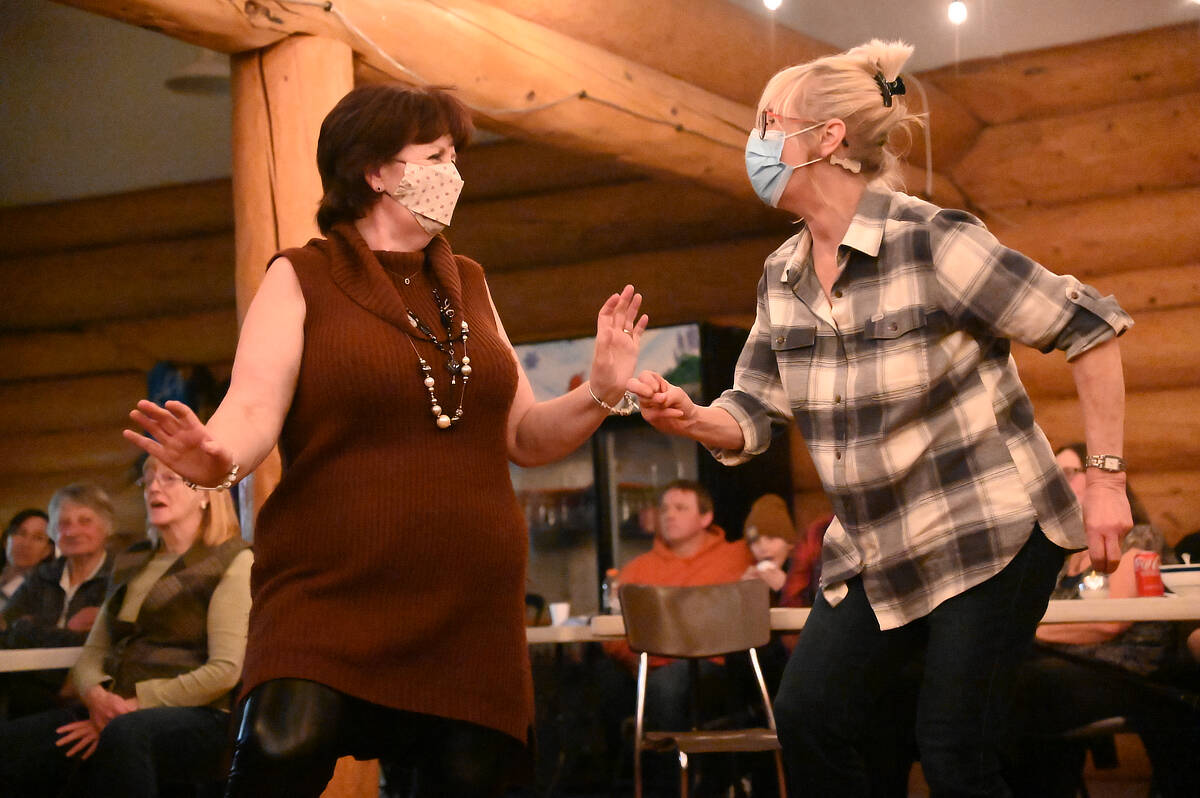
(773, 5)
(958, 12)
(208, 74)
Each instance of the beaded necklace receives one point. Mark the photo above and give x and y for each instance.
(457, 367)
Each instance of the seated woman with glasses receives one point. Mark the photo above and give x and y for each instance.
(157, 672)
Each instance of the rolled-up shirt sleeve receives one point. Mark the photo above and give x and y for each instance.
(987, 286)
(757, 401)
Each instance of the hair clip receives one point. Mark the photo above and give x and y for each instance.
(889, 88)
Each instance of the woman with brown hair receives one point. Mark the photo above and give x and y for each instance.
(157, 672)
(389, 578)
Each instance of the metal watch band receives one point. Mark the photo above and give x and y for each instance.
(1105, 462)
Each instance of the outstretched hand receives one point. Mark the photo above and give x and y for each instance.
(618, 340)
(180, 441)
(666, 407)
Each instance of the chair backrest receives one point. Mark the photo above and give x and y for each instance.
(702, 621)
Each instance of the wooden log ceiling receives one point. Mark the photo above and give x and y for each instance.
(1082, 156)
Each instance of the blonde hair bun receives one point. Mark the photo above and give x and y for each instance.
(884, 57)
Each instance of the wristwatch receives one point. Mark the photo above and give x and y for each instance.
(1105, 462)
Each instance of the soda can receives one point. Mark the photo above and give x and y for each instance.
(1146, 572)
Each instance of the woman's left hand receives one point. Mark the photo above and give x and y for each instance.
(82, 736)
(618, 339)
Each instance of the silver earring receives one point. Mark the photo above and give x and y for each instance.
(379, 189)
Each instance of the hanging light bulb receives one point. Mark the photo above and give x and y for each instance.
(773, 5)
(958, 12)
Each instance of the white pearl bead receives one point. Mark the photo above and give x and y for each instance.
(437, 410)
(443, 421)
(429, 382)
(466, 370)
(466, 361)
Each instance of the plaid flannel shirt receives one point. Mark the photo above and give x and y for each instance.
(905, 390)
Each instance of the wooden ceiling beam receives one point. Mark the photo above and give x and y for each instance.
(106, 347)
(1076, 77)
(1113, 234)
(1132, 146)
(724, 49)
(518, 74)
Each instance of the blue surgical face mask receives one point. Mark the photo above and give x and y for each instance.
(768, 174)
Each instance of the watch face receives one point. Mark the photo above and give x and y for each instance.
(1111, 464)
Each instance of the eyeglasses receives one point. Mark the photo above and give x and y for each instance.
(166, 479)
(768, 116)
(28, 534)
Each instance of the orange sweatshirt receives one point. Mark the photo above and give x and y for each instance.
(716, 562)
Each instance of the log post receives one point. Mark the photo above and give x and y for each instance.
(280, 95)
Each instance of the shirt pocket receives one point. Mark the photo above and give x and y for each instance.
(793, 348)
(896, 365)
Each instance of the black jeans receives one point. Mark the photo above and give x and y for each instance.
(972, 644)
(137, 752)
(292, 732)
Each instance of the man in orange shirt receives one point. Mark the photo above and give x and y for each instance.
(688, 550)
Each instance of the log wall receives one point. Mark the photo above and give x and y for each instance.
(100, 289)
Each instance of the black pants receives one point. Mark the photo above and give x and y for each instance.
(972, 645)
(292, 732)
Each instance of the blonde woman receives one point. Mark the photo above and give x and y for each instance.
(883, 330)
(159, 666)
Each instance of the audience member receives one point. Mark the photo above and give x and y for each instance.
(689, 550)
(1083, 672)
(58, 601)
(25, 545)
(157, 673)
(771, 536)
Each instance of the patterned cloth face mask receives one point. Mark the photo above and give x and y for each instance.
(430, 191)
(768, 174)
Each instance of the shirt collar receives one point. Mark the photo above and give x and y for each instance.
(864, 234)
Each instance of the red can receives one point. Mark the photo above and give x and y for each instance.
(1147, 574)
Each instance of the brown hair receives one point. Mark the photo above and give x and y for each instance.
(366, 129)
(704, 499)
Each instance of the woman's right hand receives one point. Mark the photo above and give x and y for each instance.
(103, 706)
(179, 440)
(665, 407)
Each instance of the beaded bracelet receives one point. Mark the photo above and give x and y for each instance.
(225, 485)
(624, 407)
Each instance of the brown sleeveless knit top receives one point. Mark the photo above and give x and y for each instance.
(390, 560)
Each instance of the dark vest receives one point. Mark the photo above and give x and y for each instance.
(170, 634)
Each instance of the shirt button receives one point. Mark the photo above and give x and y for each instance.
(892, 327)
(837, 398)
(1074, 295)
(779, 340)
(837, 456)
(837, 294)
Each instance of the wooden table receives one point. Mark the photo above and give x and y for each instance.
(791, 619)
(783, 619)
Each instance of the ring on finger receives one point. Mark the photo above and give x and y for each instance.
(627, 331)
